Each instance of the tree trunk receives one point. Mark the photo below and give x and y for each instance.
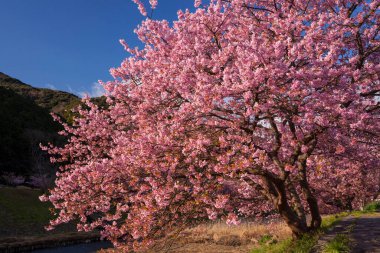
(297, 225)
(277, 192)
(295, 198)
(316, 219)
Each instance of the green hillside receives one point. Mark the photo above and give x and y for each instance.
(52, 100)
(25, 121)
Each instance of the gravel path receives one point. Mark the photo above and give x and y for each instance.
(363, 232)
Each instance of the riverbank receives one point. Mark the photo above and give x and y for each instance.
(23, 244)
(23, 218)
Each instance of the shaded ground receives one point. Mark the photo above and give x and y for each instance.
(23, 214)
(23, 218)
(363, 233)
(366, 234)
(78, 248)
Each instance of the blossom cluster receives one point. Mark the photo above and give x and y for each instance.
(239, 109)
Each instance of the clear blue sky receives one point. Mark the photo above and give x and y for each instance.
(70, 44)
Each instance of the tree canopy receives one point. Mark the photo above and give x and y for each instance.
(241, 108)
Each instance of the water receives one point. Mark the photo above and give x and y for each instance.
(91, 247)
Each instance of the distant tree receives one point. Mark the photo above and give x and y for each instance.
(10, 178)
(239, 109)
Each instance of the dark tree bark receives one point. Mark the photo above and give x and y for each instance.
(316, 219)
(280, 193)
(277, 192)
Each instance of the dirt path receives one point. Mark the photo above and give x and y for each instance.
(363, 233)
(366, 234)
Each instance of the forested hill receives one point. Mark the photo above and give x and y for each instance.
(52, 100)
(25, 121)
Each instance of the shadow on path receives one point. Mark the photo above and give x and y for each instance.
(365, 236)
(363, 232)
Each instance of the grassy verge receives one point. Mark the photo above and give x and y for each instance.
(302, 245)
(21, 209)
(23, 214)
(338, 244)
(23, 218)
(306, 243)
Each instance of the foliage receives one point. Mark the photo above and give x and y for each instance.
(372, 207)
(69, 112)
(51, 100)
(241, 108)
(43, 181)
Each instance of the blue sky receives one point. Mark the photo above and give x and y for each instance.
(70, 45)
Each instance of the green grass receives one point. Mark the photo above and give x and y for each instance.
(23, 218)
(23, 214)
(307, 242)
(265, 239)
(23, 206)
(304, 244)
(281, 246)
(331, 220)
(340, 244)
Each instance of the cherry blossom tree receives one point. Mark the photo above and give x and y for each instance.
(239, 109)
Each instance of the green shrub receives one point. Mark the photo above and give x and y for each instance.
(372, 207)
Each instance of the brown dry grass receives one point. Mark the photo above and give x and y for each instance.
(218, 237)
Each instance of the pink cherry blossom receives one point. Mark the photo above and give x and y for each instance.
(236, 110)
